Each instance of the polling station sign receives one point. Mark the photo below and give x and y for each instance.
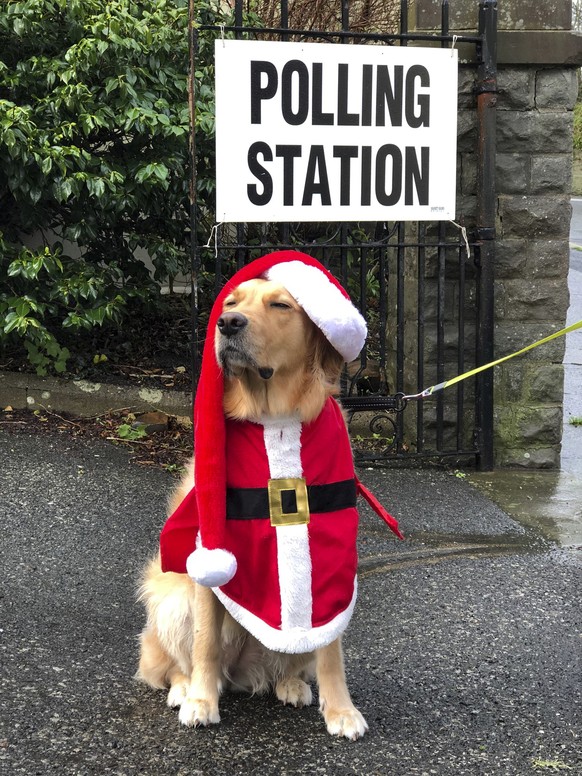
(320, 132)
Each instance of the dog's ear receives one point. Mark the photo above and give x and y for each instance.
(325, 359)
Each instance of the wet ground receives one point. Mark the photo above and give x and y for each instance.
(553, 500)
(463, 653)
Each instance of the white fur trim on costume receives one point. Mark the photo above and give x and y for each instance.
(283, 446)
(295, 641)
(324, 303)
(211, 567)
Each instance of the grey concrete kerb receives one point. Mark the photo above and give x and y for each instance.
(84, 398)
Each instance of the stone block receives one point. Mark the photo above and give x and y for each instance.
(548, 258)
(528, 458)
(519, 426)
(510, 379)
(466, 210)
(545, 384)
(556, 89)
(535, 217)
(468, 173)
(557, 48)
(521, 382)
(466, 87)
(516, 88)
(539, 426)
(530, 300)
(466, 131)
(525, 15)
(499, 299)
(511, 257)
(511, 336)
(449, 351)
(513, 15)
(551, 174)
(453, 438)
(534, 132)
(513, 173)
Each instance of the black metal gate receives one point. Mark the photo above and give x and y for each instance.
(426, 289)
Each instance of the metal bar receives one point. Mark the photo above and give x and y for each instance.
(382, 309)
(444, 21)
(345, 16)
(313, 246)
(403, 22)
(400, 330)
(327, 34)
(363, 302)
(486, 207)
(461, 349)
(401, 456)
(284, 19)
(240, 231)
(194, 256)
(440, 332)
(421, 252)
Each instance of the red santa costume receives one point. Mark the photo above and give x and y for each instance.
(271, 526)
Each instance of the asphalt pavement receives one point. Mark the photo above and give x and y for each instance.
(464, 654)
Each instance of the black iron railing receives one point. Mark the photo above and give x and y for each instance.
(426, 289)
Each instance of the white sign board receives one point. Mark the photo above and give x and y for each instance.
(321, 132)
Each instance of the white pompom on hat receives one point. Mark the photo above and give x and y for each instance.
(328, 305)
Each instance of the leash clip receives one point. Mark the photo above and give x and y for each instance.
(401, 402)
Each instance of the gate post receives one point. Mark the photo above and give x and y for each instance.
(485, 230)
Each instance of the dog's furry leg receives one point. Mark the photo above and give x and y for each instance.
(294, 691)
(341, 716)
(159, 670)
(200, 706)
(292, 688)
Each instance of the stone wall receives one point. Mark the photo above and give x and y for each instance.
(537, 89)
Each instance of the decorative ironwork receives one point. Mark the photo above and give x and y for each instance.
(428, 307)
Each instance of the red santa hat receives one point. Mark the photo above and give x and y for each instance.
(328, 305)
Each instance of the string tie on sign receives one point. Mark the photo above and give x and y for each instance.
(464, 236)
(214, 233)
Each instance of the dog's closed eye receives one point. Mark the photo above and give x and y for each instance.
(281, 305)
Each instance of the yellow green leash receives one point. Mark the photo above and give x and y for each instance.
(441, 386)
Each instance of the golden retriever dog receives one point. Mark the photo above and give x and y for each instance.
(278, 363)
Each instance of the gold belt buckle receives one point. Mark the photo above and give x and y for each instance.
(276, 489)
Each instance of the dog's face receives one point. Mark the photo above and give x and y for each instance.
(262, 329)
(274, 358)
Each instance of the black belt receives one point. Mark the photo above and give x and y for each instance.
(253, 503)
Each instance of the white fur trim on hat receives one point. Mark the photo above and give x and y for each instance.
(324, 303)
(211, 568)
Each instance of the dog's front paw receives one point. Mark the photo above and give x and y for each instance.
(177, 694)
(198, 712)
(294, 691)
(348, 723)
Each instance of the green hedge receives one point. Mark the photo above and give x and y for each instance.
(94, 154)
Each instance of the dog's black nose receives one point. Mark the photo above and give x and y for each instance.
(231, 323)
